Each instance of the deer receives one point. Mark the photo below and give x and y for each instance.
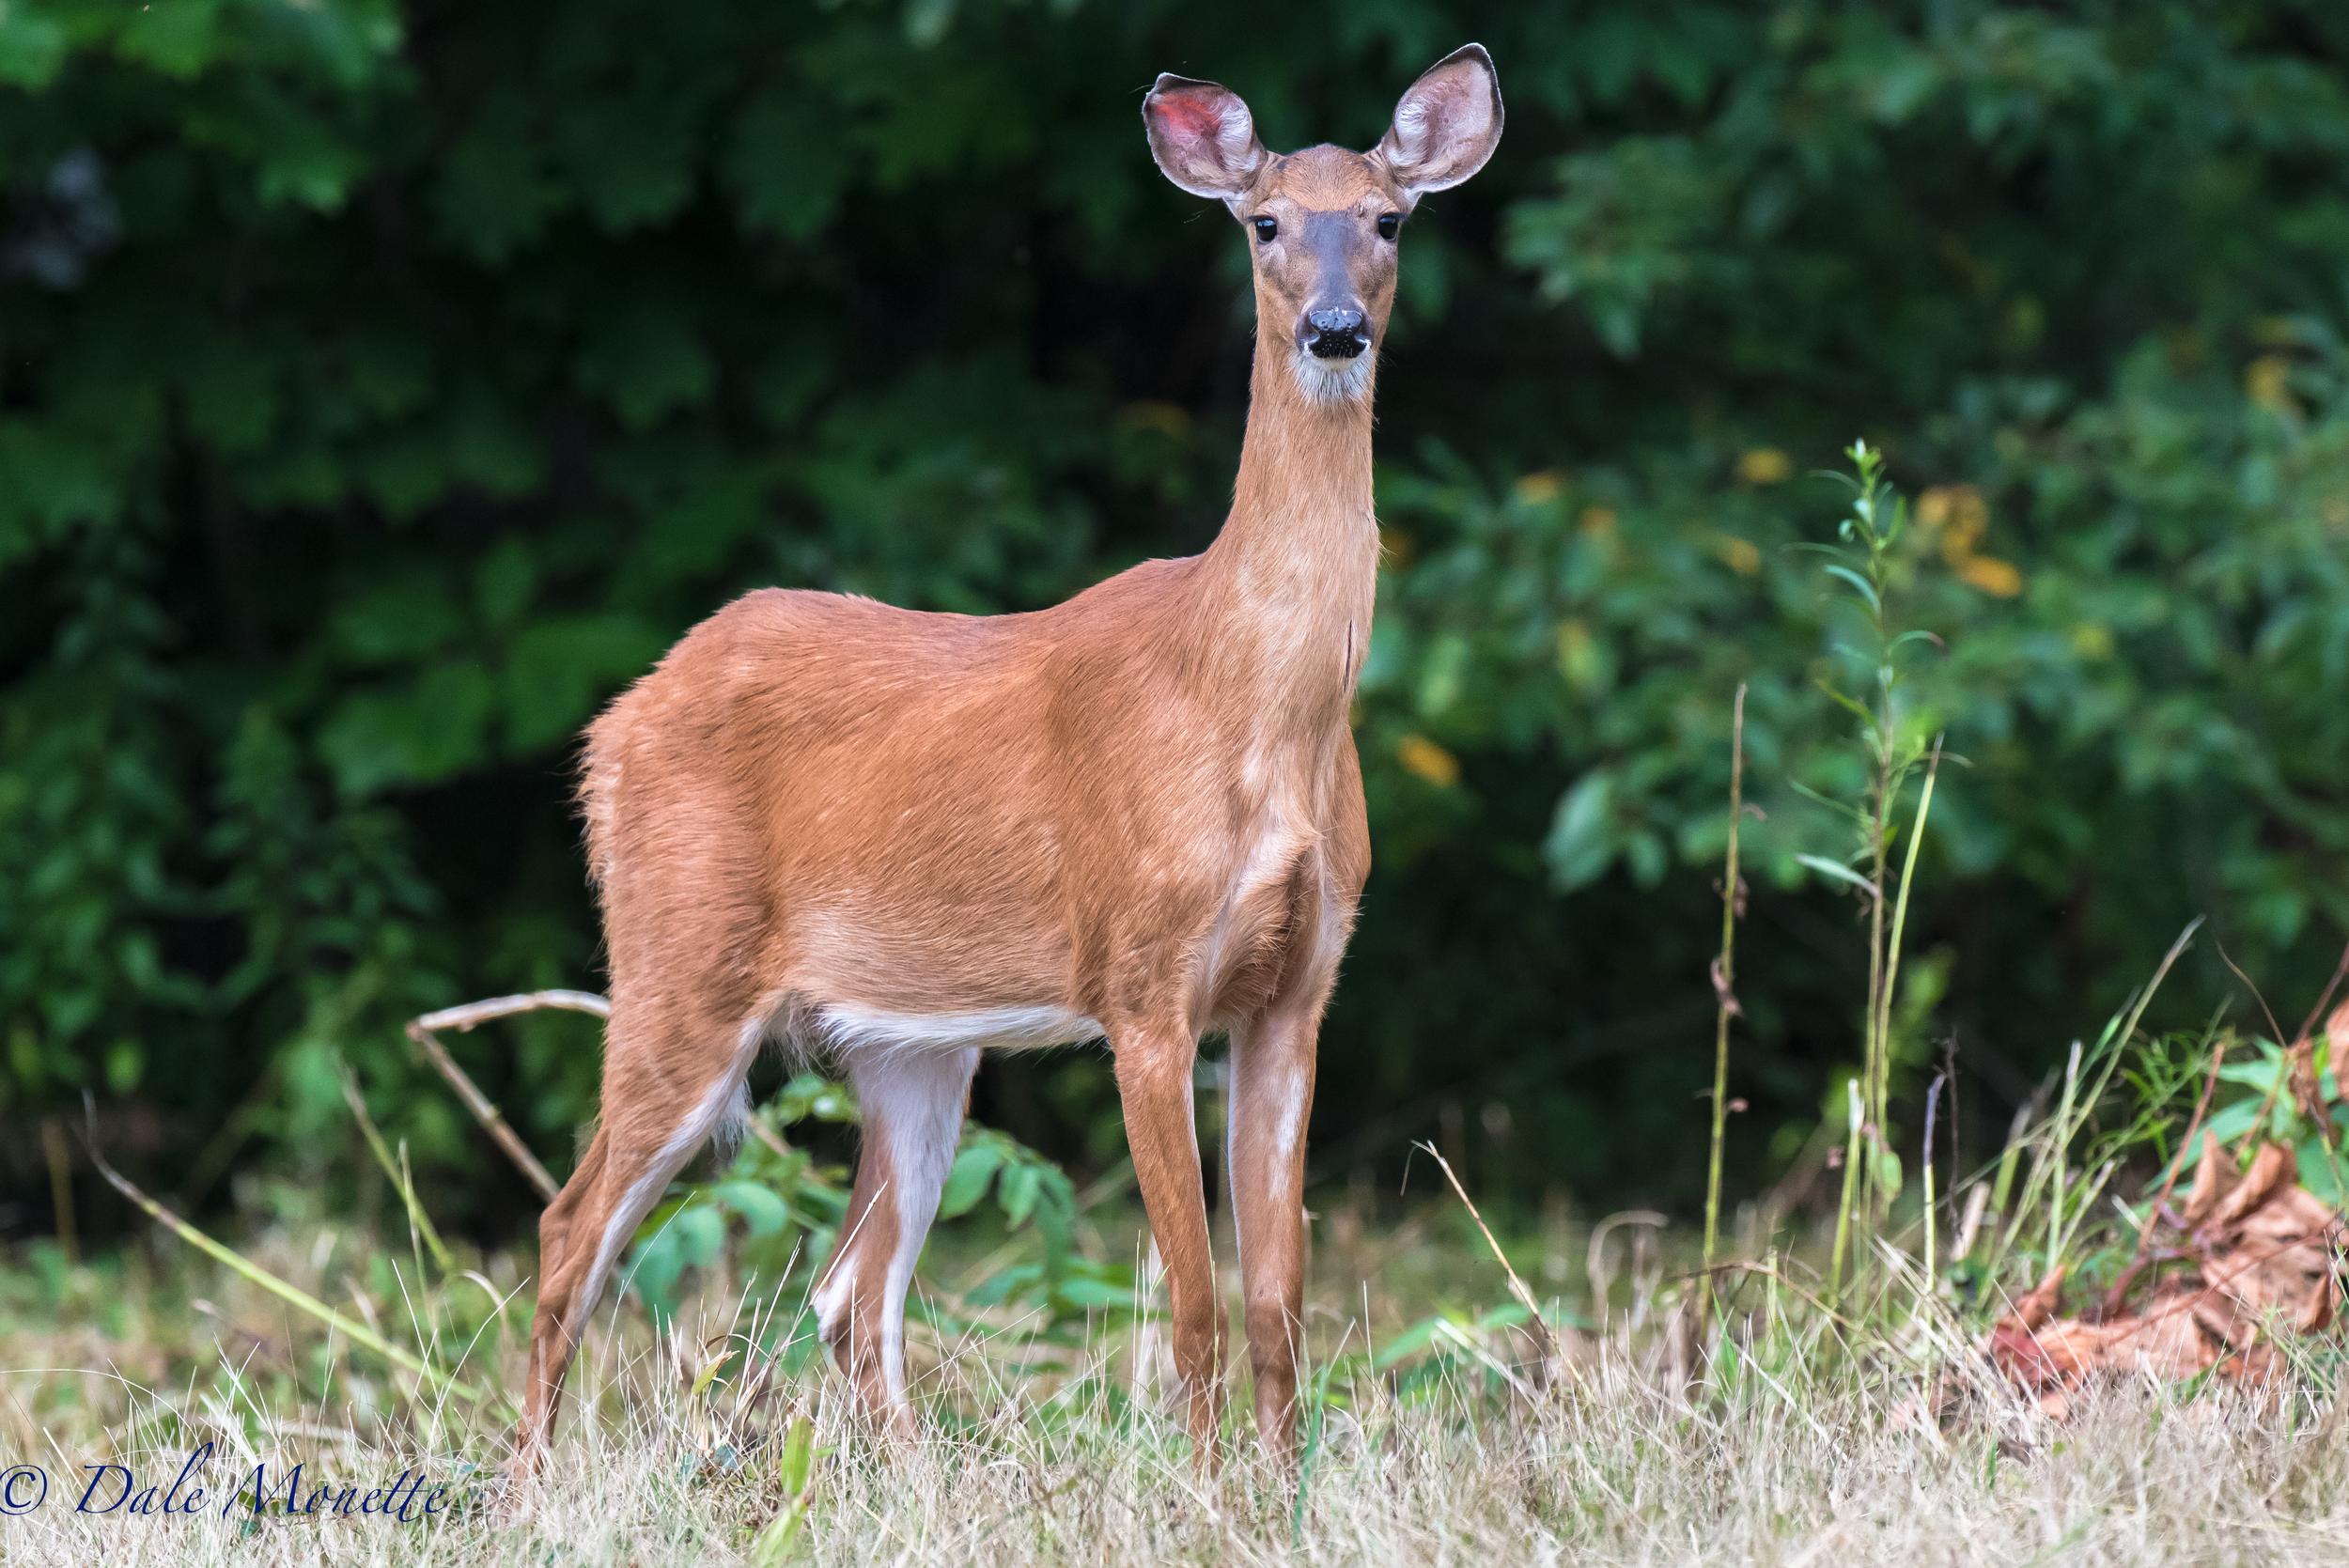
(899, 839)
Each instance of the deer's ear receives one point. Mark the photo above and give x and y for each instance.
(1203, 137)
(1447, 125)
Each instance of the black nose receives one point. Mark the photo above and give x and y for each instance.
(1336, 334)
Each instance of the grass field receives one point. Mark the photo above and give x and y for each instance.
(1877, 1363)
(1784, 1435)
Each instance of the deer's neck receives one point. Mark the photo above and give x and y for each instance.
(1295, 572)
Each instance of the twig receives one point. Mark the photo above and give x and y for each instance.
(1725, 974)
(1543, 1337)
(769, 1137)
(1932, 1102)
(1969, 1226)
(418, 1220)
(2274, 1030)
(2340, 972)
(335, 1321)
(475, 1013)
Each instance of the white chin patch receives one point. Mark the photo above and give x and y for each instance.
(1333, 380)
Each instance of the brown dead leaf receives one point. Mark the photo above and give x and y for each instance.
(2214, 1178)
(2164, 1343)
(2290, 1278)
(2308, 1094)
(2262, 1250)
(2274, 1168)
(2040, 1305)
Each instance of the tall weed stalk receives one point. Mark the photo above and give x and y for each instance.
(1725, 976)
(1893, 739)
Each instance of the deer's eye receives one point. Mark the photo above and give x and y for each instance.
(1389, 225)
(1265, 229)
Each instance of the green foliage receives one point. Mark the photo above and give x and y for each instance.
(780, 1206)
(781, 1209)
(383, 386)
(1061, 1287)
(2262, 1107)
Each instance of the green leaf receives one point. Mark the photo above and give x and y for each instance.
(786, 170)
(560, 667)
(1837, 871)
(1017, 1192)
(644, 362)
(1004, 1285)
(798, 1456)
(967, 1181)
(1409, 1343)
(418, 733)
(1096, 1295)
(1582, 842)
(31, 46)
(1867, 590)
(701, 1234)
(1889, 1173)
(763, 1213)
(2232, 1122)
(496, 193)
(630, 158)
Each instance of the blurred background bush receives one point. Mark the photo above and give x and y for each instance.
(382, 385)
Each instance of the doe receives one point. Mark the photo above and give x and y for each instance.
(901, 838)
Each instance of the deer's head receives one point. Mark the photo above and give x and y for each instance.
(1323, 222)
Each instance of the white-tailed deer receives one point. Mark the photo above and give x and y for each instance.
(901, 838)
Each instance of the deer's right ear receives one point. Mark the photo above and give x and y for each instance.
(1203, 137)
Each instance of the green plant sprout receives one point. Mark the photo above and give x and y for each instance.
(1894, 735)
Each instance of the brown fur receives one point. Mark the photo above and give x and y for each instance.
(1141, 808)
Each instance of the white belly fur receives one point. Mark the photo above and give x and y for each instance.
(849, 1028)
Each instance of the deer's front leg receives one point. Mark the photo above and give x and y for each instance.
(1272, 1096)
(1154, 1083)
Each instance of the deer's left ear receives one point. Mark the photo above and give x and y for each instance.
(1447, 125)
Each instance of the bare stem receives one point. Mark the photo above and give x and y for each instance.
(1725, 975)
(1873, 1068)
(418, 1222)
(1933, 1102)
(335, 1322)
(1900, 908)
(1545, 1341)
(1853, 1114)
(473, 1012)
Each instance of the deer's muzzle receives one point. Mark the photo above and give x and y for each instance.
(1339, 333)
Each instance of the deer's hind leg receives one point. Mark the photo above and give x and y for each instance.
(672, 1078)
(912, 1097)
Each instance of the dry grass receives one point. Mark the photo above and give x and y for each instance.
(1788, 1451)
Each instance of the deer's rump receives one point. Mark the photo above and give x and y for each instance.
(881, 826)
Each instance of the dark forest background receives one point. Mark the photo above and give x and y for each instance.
(383, 385)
